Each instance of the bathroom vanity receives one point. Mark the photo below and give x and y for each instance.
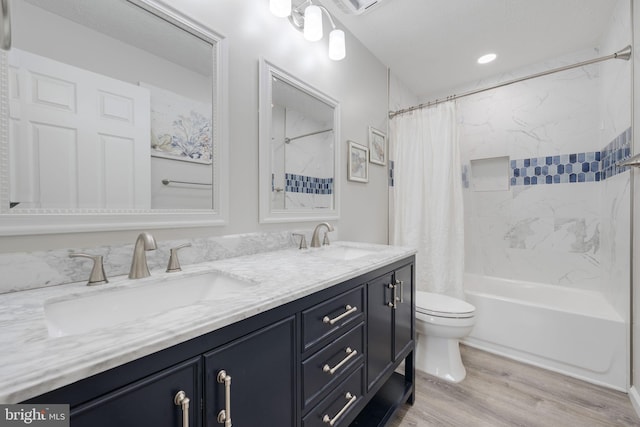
(322, 353)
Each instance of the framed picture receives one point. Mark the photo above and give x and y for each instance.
(181, 128)
(357, 163)
(377, 147)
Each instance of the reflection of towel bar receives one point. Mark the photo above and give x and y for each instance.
(168, 181)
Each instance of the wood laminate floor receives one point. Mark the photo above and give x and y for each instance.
(501, 392)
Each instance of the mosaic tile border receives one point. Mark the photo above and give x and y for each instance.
(307, 184)
(593, 166)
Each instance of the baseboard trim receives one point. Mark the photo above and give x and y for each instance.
(634, 396)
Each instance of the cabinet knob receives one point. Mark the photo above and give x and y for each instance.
(182, 400)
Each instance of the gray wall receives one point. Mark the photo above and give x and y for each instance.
(359, 82)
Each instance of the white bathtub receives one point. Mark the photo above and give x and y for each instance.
(574, 332)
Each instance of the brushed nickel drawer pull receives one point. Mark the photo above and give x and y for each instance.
(182, 400)
(392, 303)
(332, 421)
(348, 311)
(401, 283)
(350, 354)
(224, 416)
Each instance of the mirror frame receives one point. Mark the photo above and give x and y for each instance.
(267, 71)
(50, 221)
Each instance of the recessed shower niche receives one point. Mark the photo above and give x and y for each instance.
(490, 174)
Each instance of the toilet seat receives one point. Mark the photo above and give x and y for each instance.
(439, 305)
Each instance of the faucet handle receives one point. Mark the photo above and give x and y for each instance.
(174, 262)
(325, 240)
(97, 276)
(303, 240)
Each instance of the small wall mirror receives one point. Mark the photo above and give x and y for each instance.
(299, 134)
(115, 118)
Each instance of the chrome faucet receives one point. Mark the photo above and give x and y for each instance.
(315, 240)
(139, 268)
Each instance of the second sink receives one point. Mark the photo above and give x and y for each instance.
(344, 253)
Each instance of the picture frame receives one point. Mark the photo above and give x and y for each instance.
(377, 147)
(181, 128)
(358, 166)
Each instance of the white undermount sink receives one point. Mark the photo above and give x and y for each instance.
(107, 308)
(343, 253)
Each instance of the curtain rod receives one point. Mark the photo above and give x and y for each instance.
(621, 54)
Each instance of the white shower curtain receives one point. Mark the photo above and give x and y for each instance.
(427, 196)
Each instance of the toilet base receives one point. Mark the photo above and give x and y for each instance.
(439, 357)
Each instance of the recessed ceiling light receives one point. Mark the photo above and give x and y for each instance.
(485, 59)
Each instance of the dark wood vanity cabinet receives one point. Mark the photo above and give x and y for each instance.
(389, 321)
(325, 359)
(147, 402)
(255, 375)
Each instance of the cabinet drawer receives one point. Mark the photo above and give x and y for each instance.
(329, 366)
(339, 405)
(331, 316)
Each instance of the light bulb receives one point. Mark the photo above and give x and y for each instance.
(280, 8)
(337, 50)
(313, 23)
(485, 59)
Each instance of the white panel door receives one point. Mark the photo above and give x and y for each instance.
(79, 139)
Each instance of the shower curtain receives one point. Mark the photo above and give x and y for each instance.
(427, 196)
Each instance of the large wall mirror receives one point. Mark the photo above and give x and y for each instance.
(299, 158)
(116, 118)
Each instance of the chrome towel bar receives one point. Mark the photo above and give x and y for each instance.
(170, 181)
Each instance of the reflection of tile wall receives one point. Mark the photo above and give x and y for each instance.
(308, 184)
(590, 166)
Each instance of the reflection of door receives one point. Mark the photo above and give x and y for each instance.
(78, 139)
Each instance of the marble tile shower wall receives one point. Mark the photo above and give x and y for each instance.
(567, 129)
(22, 271)
(593, 166)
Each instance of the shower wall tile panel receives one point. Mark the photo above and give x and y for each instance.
(565, 235)
(593, 166)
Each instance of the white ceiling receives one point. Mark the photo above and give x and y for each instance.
(432, 45)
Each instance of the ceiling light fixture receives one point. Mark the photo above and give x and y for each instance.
(280, 8)
(485, 59)
(307, 17)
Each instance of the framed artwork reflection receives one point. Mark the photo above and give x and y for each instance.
(377, 147)
(357, 163)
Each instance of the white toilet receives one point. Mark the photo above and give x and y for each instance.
(441, 321)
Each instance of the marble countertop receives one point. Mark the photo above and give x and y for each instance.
(33, 362)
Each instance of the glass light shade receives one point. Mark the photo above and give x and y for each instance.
(337, 50)
(313, 23)
(280, 8)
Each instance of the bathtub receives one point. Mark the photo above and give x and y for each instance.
(574, 332)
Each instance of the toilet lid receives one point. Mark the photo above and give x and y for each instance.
(442, 305)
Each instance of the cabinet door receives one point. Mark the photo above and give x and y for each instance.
(404, 309)
(261, 389)
(379, 327)
(148, 402)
